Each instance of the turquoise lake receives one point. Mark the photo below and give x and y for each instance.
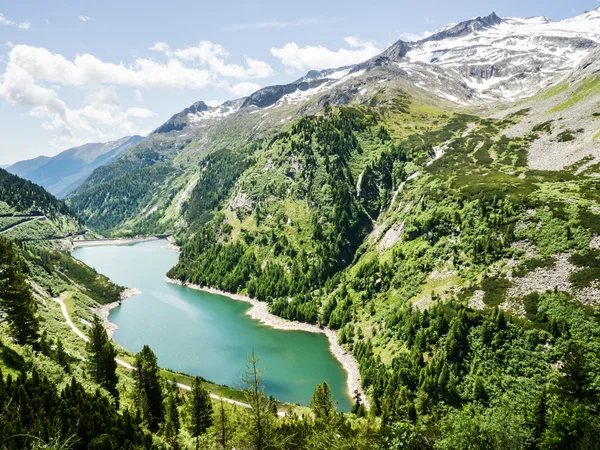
(209, 335)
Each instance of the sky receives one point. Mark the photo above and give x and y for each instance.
(73, 72)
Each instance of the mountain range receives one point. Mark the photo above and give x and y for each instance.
(63, 173)
(436, 206)
(487, 64)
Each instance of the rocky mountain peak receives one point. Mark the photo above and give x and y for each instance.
(463, 28)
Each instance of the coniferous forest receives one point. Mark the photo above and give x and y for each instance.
(442, 224)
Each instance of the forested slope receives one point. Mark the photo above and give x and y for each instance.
(28, 212)
(461, 279)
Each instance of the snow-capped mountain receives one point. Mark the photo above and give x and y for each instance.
(496, 67)
(476, 62)
(508, 58)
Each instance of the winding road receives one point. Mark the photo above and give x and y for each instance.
(24, 222)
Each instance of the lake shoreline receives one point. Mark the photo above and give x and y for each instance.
(260, 311)
(112, 241)
(104, 310)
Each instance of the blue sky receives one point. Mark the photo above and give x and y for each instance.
(81, 71)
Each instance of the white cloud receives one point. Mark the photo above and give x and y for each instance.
(214, 102)
(21, 25)
(413, 37)
(319, 57)
(142, 113)
(243, 89)
(85, 18)
(161, 47)
(35, 77)
(139, 97)
(213, 56)
(277, 24)
(44, 66)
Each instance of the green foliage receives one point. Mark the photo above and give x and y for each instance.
(495, 290)
(566, 136)
(109, 203)
(60, 271)
(478, 428)
(218, 173)
(34, 414)
(25, 197)
(16, 299)
(261, 418)
(200, 409)
(545, 127)
(102, 361)
(149, 388)
(321, 403)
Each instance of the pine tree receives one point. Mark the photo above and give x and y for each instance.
(61, 356)
(260, 428)
(321, 403)
(223, 426)
(172, 423)
(103, 364)
(16, 299)
(357, 403)
(200, 408)
(149, 387)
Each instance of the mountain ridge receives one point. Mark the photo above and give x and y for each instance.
(63, 173)
(176, 146)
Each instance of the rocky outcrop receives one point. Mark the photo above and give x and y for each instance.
(464, 28)
(180, 120)
(270, 95)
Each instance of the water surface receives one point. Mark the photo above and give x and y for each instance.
(206, 334)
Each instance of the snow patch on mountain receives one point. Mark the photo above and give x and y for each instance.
(509, 58)
(218, 112)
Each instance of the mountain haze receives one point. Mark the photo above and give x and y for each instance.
(63, 173)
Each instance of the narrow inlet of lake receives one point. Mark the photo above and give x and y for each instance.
(209, 335)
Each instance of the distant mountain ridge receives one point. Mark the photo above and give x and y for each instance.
(63, 173)
(488, 64)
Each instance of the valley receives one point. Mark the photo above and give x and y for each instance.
(399, 253)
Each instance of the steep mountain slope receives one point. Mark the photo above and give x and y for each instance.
(29, 213)
(461, 279)
(63, 173)
(507, 58)
(566, 120)
(478, 62)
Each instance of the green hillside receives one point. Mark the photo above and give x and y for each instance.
(28, 212)
(455, 251)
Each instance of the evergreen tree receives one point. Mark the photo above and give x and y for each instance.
(322, 403)
(200, 408)
(149, 387)
(61, 356)
(223, 426)
(16, 299)
(103, 364)
(260, 428)
(172, 423)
